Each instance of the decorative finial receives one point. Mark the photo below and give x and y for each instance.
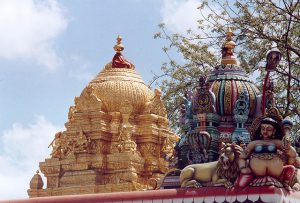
(119, 46)
(119, 61)
(227, 49)
(36, 182)
(229, 35)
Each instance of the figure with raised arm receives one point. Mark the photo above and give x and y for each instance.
(269, 154)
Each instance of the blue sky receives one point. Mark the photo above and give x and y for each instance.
(50, 50)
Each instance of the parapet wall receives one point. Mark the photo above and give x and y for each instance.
(205, 195)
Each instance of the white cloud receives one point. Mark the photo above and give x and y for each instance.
(21, 150)
(181, 15)
(28, 29)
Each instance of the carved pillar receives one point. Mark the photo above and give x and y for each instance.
(114, 130)
(52, 170)
(241, 113)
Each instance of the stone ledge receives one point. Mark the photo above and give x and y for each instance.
(205, 194)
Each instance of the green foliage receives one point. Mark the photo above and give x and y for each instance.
(257, 25)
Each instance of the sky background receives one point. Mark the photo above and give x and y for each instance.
(50, 50)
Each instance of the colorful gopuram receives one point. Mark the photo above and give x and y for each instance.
(116, 138)
(221, 109)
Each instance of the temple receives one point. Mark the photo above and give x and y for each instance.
(116, 139)
(235, 145)
(224, 105)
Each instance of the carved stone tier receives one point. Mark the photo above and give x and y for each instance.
(82, 177)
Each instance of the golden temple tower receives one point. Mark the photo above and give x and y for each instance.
(116, 138)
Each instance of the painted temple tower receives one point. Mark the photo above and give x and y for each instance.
(221, 109)
(116, 137)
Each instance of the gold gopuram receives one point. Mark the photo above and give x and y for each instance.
(116, 138)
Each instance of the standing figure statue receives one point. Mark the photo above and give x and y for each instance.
(268, 155)
(56, 145)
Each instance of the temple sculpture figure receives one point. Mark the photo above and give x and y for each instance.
(269, 158)
(116, 137)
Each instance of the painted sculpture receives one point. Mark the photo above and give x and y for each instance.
(192, 149)
(270, 155)
(221, 172)
(269, 159)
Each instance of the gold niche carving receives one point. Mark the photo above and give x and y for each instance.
(82, 143)
(115, 122)
(88, 101)
(126, 110)
(71, 113)
(125, 142)
(64, 146)
(156, 105)
(148, 150)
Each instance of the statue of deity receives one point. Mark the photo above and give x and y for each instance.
(268, 155)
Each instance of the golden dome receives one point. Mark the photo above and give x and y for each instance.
(113, 86)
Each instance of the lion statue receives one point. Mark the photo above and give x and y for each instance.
(221, 172)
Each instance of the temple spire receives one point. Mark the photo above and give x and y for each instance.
(119, 46)
(118, 60)
(227, 50)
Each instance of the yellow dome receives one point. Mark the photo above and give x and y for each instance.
(116, 85)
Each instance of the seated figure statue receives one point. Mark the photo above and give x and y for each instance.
(268, 155)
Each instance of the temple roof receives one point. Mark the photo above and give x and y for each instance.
(119, 82)
(115, 85)
(228, 80)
